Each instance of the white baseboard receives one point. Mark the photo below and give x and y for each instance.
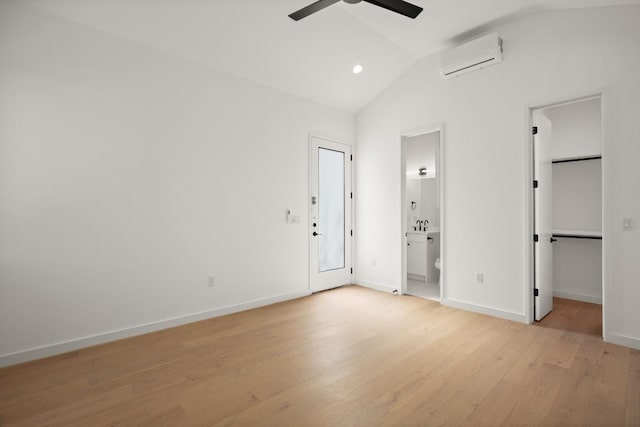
(578, 297)
(84, 342)
(624, 340)
(516, 317)
(378, 287)
(417, 277)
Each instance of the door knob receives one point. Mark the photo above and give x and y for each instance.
(553, 240)
(317, 234)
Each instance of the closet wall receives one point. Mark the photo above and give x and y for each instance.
(577, 200)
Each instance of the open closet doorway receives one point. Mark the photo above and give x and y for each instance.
(567, 216)
(422, 214)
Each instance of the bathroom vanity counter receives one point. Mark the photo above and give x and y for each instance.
(430, 230)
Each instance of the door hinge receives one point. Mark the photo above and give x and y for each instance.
(351, 233)
(535, 183)
(536, 293)
(352, 195)
(351, 270)
(535, 238)
(351, 157)
(534, 130)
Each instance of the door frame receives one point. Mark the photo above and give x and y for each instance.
(529, 211)
(402, 226)
(349, 258)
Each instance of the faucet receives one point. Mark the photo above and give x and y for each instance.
(419, 223)
(426, 221)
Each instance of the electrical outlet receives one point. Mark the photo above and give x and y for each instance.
(211, 281)
(479, 278)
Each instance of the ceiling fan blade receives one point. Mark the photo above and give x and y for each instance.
(312, 8)
(398, 6)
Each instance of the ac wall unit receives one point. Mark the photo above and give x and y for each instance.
(471, 56)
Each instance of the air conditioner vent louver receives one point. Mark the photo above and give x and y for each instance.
(471, 56)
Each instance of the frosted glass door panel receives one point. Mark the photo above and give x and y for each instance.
(331, 219)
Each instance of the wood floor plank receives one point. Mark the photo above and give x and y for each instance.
(496, 406)
(351, 356)
(611, 380)
(453, 376)
(347, 369)
(538, 397)
(571, 405)
(75, 412)
(459, 406)
(632, 414)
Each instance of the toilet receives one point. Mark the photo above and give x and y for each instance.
(437, 265)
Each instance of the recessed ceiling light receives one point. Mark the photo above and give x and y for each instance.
(357, 69)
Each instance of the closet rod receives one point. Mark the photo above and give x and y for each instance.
(577, 159)
(577, 236)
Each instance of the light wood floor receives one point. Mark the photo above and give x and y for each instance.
(575, 316)
(348, 357)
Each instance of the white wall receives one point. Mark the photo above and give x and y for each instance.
(577, 129)
(577, 195)
(128, 176)
(424, 193)
(421, 152)
(577, 205)
(413, 196)
(429, 197)
(549, 57)
(577, 269)
(577, 200)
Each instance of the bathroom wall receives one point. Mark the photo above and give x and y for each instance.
(414, 202)
(429, 199)
(425, 193)
(422, 151)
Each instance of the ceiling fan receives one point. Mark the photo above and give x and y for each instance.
(398, 6)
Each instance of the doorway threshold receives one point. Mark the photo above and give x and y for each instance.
(421, 289)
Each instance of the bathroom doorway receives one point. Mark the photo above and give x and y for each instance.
(422, 228)
(568, 215)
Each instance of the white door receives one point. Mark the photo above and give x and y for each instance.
(330, 221)
(543, 282)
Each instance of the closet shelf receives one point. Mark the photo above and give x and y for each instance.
(578, 234)
(576, 159)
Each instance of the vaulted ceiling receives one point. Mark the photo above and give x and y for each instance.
(311, 58)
